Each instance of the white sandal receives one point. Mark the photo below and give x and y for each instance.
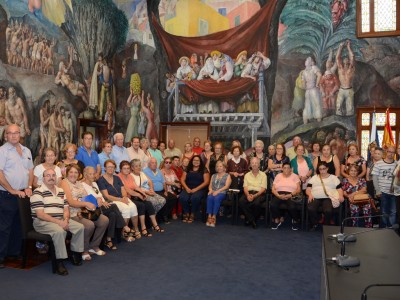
(99, 252)
(86, 257)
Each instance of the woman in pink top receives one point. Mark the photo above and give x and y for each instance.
(285, 186)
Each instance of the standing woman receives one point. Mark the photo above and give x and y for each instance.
(49, 160)
(207, 152)
(162, 147)
(144, 145)
(331, 159)
(352, 186)
(259, 153)
(113, 190)
(276, 162)
(315, 147)
(194, 182)
(106, 147)
(69, 152)
(271, 151)
(188, 151)
(302, 166)
(237, 168)
(94, 231)
(353, 158)
(217, 188)
(218, 155)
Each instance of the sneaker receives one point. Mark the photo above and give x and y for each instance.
(276, 225)
(295, 226)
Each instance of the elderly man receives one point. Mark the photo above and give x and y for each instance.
(119, 152)
(16, 177)
(155, 152)
(160, 187)
(196, 146)
(382, 175)
(87, 155)
(134, 152)
(290, 151)
(254, 187)
(50, 213)
(172, 150)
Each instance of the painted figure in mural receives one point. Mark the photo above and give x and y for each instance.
(240, 63)
(298, 96)
(61, 119)
(148, 109)
(170, 82)
(142, 124)
(109, 117)
(34, 62)
(329, 85)
(106, 81)
(312, 105)
(75, 87)
(3, 122)
(69, 130)
(135, 55)
(257, 63)
(346, 71)
(14, 41)
(49, 55)
(123, 67)
(247, 104)
(54, 130)
(133, 103)
(185, 72)
(208, 71)
(338, 144)
(44, 116)
(216, 57)
(194, 64)
(16, 114)
(27, 38)
(94, 92)
(226, 72)
(338, 8)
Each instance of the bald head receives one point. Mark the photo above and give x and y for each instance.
(152, 164)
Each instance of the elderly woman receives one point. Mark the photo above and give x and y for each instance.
(285, 186)
(113, 190)
(173, 184)
(74, 192)
(219, 184)
(49, 159)
(194, 182)
(218, 155)
(105, 154)
(302, 165)
(69, 152)
(259, 153)
(207, 152)
(271, 151)
(110, 210)
(276, 162)
(318, 189)
(353, 158)
(234, 144)
(353, 185)
(331, 159)
(237, 167)
(315, 151)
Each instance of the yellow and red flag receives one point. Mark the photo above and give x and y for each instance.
(388, 139)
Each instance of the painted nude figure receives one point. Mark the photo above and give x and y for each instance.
(346, 71)
(16, 114)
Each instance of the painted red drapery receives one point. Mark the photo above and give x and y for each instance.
(252, 36)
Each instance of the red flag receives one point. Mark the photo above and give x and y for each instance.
(388, 139)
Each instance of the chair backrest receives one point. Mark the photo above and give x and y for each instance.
(25, 215)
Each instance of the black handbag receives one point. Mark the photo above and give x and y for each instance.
(92, 215)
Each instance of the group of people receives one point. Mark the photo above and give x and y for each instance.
(128, 192)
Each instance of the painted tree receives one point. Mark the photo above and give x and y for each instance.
(94, 26)
(310, 30)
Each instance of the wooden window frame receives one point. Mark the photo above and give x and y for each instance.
(372, 32)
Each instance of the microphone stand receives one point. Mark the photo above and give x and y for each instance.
(364, 294)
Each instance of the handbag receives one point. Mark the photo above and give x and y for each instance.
(92, 215)
(332, 194)
(297, 198)
(362, 199)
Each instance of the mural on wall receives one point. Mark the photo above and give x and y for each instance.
(64, 59)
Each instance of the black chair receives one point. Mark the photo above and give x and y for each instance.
(29, 233)
(301, 206)
(337, 213)
(231, 200)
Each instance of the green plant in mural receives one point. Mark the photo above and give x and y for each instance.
(94, 26)
(310, 30)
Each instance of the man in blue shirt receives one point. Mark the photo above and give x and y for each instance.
(155, 152)
(160, 187)
(16, 177)
(87, 155)
(119, 152)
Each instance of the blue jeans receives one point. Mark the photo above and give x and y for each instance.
(214, 202)
(388, 206)
(194, 200)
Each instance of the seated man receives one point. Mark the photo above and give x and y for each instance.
(50, 213)
(254, 187)
(160, 187)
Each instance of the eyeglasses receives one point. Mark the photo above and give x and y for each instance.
(167, 162)
(322, 169)
(13, 133)
(198, 160)
(110, 167)
(279, 148)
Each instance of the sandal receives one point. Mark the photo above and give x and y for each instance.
(185, 218)
(208, 223)
(145, 233)
(137, 234)
(131, 232)
(110, 245)
(128, 237)
(86, 256)
(191, 219)
(158, 228)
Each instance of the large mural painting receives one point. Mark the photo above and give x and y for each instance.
(297, 71)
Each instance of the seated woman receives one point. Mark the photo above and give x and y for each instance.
(285, 186)
(141, 189)
(217, 189)
(318, 189)
(194, 182)
(69, 152)
(110, 210)
(74, 192)
(353, 185)
(173, 184)
(113, 190)
(49, 159)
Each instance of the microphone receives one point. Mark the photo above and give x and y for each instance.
(339, 237)
(364, 294)
(346, 261)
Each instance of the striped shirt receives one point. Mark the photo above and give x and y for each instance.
(53, 205)
(384, 171)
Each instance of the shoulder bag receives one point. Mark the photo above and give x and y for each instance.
(333, 194)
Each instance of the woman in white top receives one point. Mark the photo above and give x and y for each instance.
(49, 160)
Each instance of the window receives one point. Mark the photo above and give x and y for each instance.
(364, 125)
(222, 11)
(203, 27)
(378, 18)
(237, 20)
